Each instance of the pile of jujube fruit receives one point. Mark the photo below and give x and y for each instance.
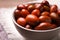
(38, 16)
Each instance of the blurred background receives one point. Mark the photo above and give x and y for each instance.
(11, 3)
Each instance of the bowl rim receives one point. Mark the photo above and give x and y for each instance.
(13, 19)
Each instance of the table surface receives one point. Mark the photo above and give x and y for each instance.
(6, 21)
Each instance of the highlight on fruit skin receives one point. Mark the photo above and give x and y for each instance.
(37, 16)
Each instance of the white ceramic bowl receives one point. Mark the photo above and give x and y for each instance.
(36, 34)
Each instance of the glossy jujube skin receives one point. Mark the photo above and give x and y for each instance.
(58, 22)
(21, 6)
(31, 19)
(36, 12)
(21, 21)
(58, 12)
(28, 26)
(39, 6)
(26, 5)
(17, 13)
(46, 8)
(31, 8)
(24, 12)
(45, 3)
(53, 8)
(45, 19)
(38, 16)
(43, 26)
(53, 26)
(54, 15)
(45, 13)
